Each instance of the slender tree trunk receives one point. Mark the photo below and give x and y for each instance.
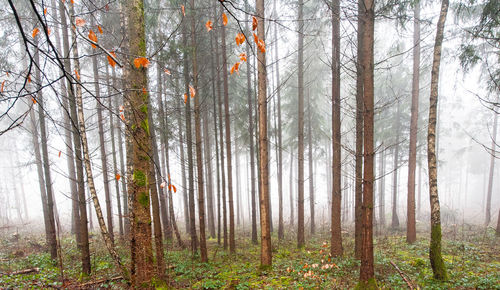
(83, 228)
(183, 166)
(311, 172)
(437, 263)
(251, 135)
(199, 149)
(52, 237)
(102, 145)
(336, 208)
(300, 198)
(232, 244)
(208, 162)
(291, 183)
(358, 166)
(411, 231)
(395, 219)
(492, 171)
(367, 274)
(189, 140)
(113, 154)
(265, 230)
(70, 160)
(381, 183)
(419, 203)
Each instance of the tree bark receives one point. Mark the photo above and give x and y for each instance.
(492, 171)
(367, 274)
(336, 207)
(199, 149)
(139, 187)
(265, 230)
(300, 198)
(411, 231)
(358, 166)
(232, 244)
(381, 184)
(292, 217)
(102, 145)
(83, 228)
(437, 263)
(310, 161)
(395, 219)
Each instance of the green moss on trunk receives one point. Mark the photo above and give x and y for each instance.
(437, 263)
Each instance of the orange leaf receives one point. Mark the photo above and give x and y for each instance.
(48, 31)
(144, 92)
(141, 61)
(192, 91)
(1, 89)
(183, 10)
(77, 75)
(111, 61)
(33, 100)
(167, 71)
(261, 45)
(175, 189)
(100, 29)
(240, 38)
(255, 38)
(235, 67)
(7, 73)
(93, 37)
(209, 25)
(254, 23)
(35, 32)
(79, 22)
(59, 153)
(122, 117)
(29, 78)
(185, 98)
(224, 19)
(243, 56)
(45, 11)
(117, 176)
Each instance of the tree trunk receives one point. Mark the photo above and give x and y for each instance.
(189, 140)
(411, 231)
(311, 172)
(83, 228)
(367, 274)
(336, 207)
(113, 153)
(199, 149)
(300, 198)
(102, 144)
(208, 162)
(437, 263)
(492, 171)
(251, 135)
(395, 219)
(358, 166)
(52, 238)
(292, 217)
(232, 244)
(140, 217)
(381, 184)
(265, 230)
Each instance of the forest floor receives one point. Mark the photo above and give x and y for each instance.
(472, 258)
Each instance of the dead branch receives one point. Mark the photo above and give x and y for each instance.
(21, 272)
(403, 275)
